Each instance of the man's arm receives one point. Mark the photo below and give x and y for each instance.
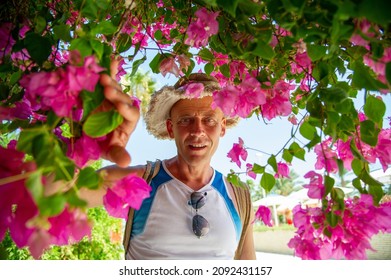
(110, 175)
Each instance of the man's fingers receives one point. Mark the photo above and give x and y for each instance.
(119, 155)
(129, 112)
(114, 68)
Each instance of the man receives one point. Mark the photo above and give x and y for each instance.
(192, 212)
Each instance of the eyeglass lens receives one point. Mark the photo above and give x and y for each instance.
(200, 224)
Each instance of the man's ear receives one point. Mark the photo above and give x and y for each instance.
(223, 127)
(170, 128)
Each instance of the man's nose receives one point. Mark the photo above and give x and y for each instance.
(197, 126)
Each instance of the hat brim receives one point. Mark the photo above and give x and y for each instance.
(161, 103)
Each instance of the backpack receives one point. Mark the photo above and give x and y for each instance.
(242, 196)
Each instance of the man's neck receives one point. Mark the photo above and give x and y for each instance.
(194, 176)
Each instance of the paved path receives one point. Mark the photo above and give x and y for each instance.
(272, 256)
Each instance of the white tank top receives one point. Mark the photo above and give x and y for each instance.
(162, 227)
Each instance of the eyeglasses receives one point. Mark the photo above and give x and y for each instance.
(200, 224)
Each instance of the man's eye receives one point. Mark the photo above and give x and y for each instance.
(210, 121)
(184, 121)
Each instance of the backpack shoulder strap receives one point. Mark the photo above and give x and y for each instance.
(243, 200)
(152, 168)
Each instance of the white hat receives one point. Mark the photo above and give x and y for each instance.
(162, 101)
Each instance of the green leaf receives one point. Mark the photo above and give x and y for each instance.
(235, 180)
(155, 63)
(287, 156)
(369, 132)
(388, 72)
(328, 183)
(297, 151)
(357, 184)
(26, 138)
(82, 45)
(52, 205)
(206, 54)
(102, 123)
(264, 50)
(357, 166)
(258, 169)
(307, 130)
(88, 178)
(209, 67)
(332, 219)
(377, 11)
(267, 181)
(368, 179)
(98, 48)
(40, 24)
(224, 69)
(90, 9)
(15, 77)
(228, 6)
(374, 109)
(124, 42)
(333, 95)
(62, 32)
(158, 35)
(91, 100)
(34, 185)
(273, 162)
(377, 193)
(136, 64)
(363, 78)
(73, 199)
(316, 52)
(38, 47)
(104, 27)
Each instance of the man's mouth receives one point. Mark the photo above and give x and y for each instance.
(197, 146)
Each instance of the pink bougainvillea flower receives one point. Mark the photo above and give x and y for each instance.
(6, 40)
(83, 149)
(69, 227)
(129, 191)
(349, 238)
(200, 29)
(168, 65)
(194, 90)
(264, 214)
(326, 156)
(293, 120)
(282, 170)
(17, 205)
(60, 90)
(250, 172)
(184, 62)
(121, 71)
(238, 151)
(239, 100)
(315, 188)
(344, 153)
(226, 100)
(383, 148)
(302, 63)
(277, 100)
(39, 241)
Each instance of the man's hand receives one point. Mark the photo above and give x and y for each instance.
(114, 146)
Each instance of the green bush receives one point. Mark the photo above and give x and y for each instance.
(105, 243)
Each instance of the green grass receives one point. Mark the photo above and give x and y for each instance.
(258, 227)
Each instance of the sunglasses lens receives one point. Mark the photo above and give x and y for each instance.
(197, 200)
(200, 226)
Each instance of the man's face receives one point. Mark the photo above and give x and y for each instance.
(196, 128)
